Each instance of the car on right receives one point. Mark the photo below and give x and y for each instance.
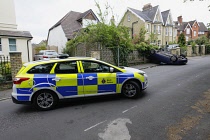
(167, 58)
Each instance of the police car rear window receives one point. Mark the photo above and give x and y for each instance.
(41, 69)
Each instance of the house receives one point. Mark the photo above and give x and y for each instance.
(191, 29)
(153, 20)
(65, 29)
(11, 39)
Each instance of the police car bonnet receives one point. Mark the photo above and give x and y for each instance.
(129, 69)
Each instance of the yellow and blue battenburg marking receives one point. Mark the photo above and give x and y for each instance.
(75, 84)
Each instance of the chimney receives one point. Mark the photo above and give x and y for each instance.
(180, 20)
(147, 7)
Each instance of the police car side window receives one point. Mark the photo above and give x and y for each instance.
(41, 69)
(66, 67)
(92, 67)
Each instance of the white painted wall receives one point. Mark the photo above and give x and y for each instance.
(57, 38)
(7, 15)
(21, 45)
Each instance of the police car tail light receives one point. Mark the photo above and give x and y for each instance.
(45, 56)
(19, 80)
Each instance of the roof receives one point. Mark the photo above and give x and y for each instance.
(70, 22)
(148, 15)
(24, 34)
(202, 27)
(151, 12)
(141, 14)
(165, 16)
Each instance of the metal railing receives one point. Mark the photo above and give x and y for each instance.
(5, 72)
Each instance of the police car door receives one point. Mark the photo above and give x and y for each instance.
(97, 78)
(68, 81)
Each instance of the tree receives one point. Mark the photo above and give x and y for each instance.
(193, 0)
(41, 46)
(110, 36)
(152, 38)
(141, 37)
(181, 40)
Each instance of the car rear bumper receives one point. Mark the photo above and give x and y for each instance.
(20, 102)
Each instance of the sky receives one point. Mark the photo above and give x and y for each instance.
(38, 16)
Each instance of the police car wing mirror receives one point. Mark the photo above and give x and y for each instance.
(111, 69)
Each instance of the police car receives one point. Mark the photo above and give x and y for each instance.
(43, 83)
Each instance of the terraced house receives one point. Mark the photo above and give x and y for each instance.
(153, 20)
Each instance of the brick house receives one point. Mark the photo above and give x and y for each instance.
(65, 29)
(191, 29)
(153, 20)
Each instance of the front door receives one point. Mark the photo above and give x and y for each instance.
(97, 78)
(69, 82)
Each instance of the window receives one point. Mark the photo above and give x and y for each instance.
(170, 31)
(95, 67)
(195, 33)
(186, 38)
(41, 69)
(148, 29)
(129, 17)
(159, 29)
(188, 31)
(154, 29)
(12, 44)
(0, 45)
(66, 67)
(166, 31)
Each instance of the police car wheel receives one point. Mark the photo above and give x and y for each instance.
(131, 89)
(45, 100)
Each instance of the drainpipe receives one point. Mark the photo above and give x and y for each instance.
(132, 27)
(28, 49)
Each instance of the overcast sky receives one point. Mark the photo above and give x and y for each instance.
(37, 16)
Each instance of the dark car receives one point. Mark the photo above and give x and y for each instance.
(167, 58)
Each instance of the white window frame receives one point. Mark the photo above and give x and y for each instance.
(154, 29)
(195, 33)
(187, 31)
(186, 37)
(170, 31)
(166, 31)
(159, 29)
(148, 29)
(12, 45)
(129, 17)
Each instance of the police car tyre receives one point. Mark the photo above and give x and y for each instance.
(45, 100)
(131, 89)
(173, 58)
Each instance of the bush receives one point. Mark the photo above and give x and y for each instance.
(145, 49)
(208, 48)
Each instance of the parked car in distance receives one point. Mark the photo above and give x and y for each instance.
(166, 58)
(172, 46)
(45, 54)
(44, 83)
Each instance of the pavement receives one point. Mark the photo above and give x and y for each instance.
(6, 94)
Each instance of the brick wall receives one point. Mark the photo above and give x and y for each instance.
(105, 54)
(16, 62)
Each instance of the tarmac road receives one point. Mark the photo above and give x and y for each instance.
(176, 105)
